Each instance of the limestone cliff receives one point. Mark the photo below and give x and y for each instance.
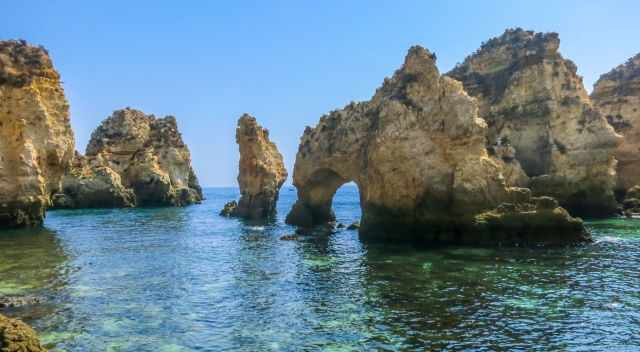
(132, 159)
(532, 98)
(617, 96)
(36, 140)
(261, 171)
(16, 336)
(417, 152)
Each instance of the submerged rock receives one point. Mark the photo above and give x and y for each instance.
(617, 95)
(532, 97)
(13, 302)
(261, 171)
(417, 152)
(36, 140)
(16, 336)
(292, 237)
(132, 159)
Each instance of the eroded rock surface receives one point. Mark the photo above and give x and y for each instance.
(533, 98)
(132, 159)
(417, 151)
(261, 171)
(89, 183)
(36, 140)
(16, 336)
(617, 96)
(631, 202)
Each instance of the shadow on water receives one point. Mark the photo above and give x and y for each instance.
(34, 266)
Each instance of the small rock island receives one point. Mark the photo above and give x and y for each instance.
(261, 172)
(132, 159)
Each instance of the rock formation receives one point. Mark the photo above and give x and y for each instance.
(631, 202)
(16, 336)
(132, 159)
(617, 96)
(36, 140)
(532, 99)
(89, 183)
(261, 172)
(417, 152)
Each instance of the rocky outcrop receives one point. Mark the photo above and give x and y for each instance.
(631, 202)
(617, 96)
(91, 184)
(261, 172)
(132, 159)
(36, 140)
(533, 99)
(417, 153)
(229, 209)
(16, 336)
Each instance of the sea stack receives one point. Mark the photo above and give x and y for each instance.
(417, 153)
(261, 172)
(533, 99)
(617, 96)
(18, 336)
(132, 159)
(36, 140)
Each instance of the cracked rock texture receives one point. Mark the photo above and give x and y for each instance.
(16, 336)
(533, 99)
(132, 159)
(417, 152)
(261, 171)
(617, 96)
(36, 140)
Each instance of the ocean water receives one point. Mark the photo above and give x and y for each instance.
(185, 279)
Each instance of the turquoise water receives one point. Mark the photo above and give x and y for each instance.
(185, 279)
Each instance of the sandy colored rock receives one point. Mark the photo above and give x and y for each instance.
(16, 336)
(91, 184)
(533, 98)
(132, 159)
(631, 201)
(417, 151)
(36, 140)
(261, 171)
(617, 96)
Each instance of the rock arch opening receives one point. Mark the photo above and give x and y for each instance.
(315, 199)
(347, 205)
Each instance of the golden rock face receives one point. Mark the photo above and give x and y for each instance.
(36, 140)
(16, 336)
(617, 95)
(261, 170)
(533, 98)
(132, 159)
(417, 152)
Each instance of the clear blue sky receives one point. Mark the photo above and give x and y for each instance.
(287, 63)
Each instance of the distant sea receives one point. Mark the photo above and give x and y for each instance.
(186, 279)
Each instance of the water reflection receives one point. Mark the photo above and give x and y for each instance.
(33, 265)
